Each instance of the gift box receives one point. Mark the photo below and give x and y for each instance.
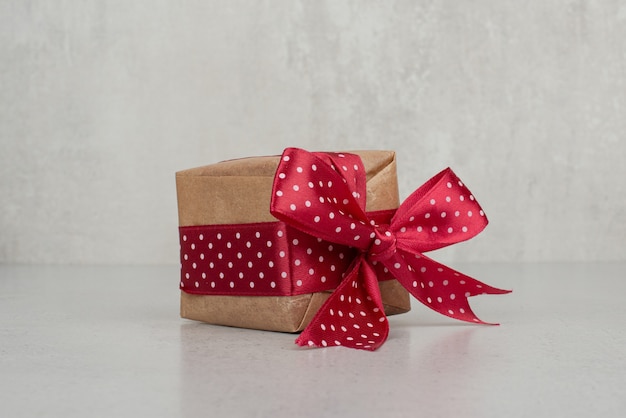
(243, 267)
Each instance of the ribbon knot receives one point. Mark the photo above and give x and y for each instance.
(383, 245)
(323, 195)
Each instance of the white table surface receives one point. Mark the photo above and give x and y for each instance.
(107, 341)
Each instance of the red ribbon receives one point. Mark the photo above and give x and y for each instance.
(323, 195)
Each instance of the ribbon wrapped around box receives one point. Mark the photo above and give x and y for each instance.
(314, 242)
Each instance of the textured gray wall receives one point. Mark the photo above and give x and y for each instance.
(102, 101)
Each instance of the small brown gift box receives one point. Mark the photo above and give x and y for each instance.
(239, 192)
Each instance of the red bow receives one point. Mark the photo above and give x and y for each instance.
(323, 195)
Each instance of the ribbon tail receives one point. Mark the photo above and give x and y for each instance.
(353, 316)
(441, 288)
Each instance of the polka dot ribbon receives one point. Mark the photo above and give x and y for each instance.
(323, 195)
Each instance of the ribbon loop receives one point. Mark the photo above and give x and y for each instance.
(323, 195)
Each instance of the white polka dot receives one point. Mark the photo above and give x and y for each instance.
(257, 234)
(311, 185)
(452, 296)
(464, 229)
(469, 213)
(471, 197)
(282, 176)
(445, 282)
(219, 236)
(273, 284)
(432, 201)
(268, 243)
(311, 272)
(194, 265)
(299, 283)
(449, 185)
(261, 275)
(279, 193)
(403, 229)
(419, 229)
(330, 183)
(450, 230)
(338, 229)
(307, 203)
(431, 284)
(439, 299)
(201, 237)
(283, 274)
(323, 279)
(434, 229)
(397, 265)
(204, 275)
(232, 285)
(427, 215)
(241, 275)
(357, 237)
(299, 169)
(462, 310)
(296, 187)
(297, 262)
(281, 254)
(316, 219)
(270, 264)
(193, 246)
(184, 237)
(461, 198)
(414, 283)
(313, 167)
(448, 199)
(481, 213)
(443, 214)
(460, 183)
(292, 206)
(457, 213)
(259, 254)
(331, 215)
(286, 158)
(423, 269)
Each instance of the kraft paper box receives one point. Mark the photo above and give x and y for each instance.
(239, 192)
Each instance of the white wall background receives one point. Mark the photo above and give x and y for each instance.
(102, 101)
